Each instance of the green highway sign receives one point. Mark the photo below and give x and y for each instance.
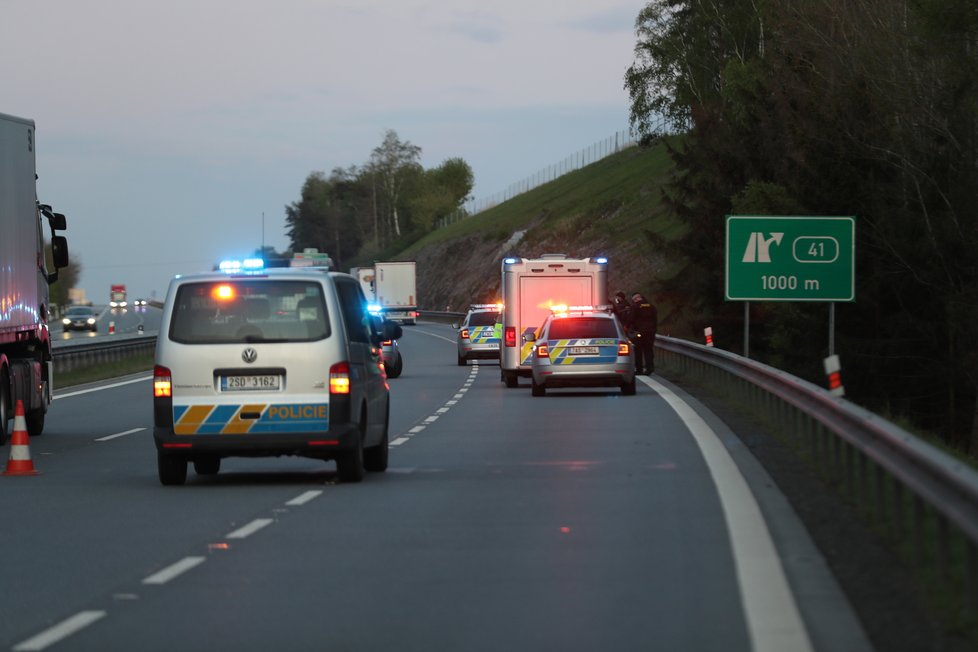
(790, 258)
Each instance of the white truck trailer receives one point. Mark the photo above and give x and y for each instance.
(365, 275)
(530, 287)
(26, 369)
(396, 292)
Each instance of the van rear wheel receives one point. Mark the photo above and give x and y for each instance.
(349, 465)
(172, 469)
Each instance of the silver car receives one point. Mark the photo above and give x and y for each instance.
(582, 347)
(281, 362)
(478, 334)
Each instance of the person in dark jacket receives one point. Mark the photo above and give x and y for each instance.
(622, 308)
(644, 321)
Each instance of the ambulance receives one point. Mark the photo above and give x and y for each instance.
(530, 288)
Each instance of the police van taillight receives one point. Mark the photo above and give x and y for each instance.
(624, 348)
(465, 333)
(339, 378)
(543, 351)
(162, 382)
(510, 336)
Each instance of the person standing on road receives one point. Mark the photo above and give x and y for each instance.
(622, 308)
(644, 321)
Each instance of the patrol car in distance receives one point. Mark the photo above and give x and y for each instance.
(581, 346)
(269, 362)
(390, 352)
(479, 333)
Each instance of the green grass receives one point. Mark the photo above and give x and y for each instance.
(135, 364)
(616, 195)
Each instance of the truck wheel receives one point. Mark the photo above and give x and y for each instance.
(172, 469)
(35, 418)
(4, 406)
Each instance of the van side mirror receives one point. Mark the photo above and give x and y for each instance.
(59, 251)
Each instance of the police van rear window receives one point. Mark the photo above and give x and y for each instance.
(483, 318)
(581, 327)
(238, 311)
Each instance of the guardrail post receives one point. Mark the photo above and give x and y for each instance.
(943, 547)
(971, 569)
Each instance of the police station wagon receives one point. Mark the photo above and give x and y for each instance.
(478, 334)
(267, 363)
(581, 346)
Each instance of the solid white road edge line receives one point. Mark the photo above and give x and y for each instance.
(248, 530)
(62, 630)
(773, 620)
(101, 387)
(168, 573)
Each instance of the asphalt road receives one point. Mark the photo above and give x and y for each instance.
(577, 521)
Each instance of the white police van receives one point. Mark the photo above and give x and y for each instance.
(272, 362)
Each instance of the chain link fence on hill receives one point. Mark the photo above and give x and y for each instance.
(583, 157)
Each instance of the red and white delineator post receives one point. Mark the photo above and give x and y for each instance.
(708, 334)
(833, 371)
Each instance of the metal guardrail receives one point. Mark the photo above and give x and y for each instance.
(75, 354)
(907, 486)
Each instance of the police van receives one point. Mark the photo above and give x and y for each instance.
(530, 287)
(267, 362)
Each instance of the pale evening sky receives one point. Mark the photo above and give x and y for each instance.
(166, 129)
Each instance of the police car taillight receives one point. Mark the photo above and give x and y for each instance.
(465, 333)
(543, 351)
(162, 382)
(339, 378)
(509, 336)
(624, 348)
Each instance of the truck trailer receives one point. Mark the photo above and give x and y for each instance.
(395, 290)
(530, 288)
(26, 369)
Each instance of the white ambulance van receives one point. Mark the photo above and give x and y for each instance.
(530, 287)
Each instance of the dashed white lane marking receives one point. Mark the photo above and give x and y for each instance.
(304, 498)
(120, 434)
(174, 570)
(406, 437)
(772, 614)
(247, 530)
(62, 630)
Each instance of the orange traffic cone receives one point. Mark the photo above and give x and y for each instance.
(20, 453)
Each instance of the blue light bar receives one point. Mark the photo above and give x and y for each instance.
(510, 261)
(601, 260)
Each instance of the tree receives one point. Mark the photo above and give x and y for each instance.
(393, 163)
(67, 277)
(330, 214)
(440, 191)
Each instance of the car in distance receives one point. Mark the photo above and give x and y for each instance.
(581, 346)
(478, 334)
(390, 352)
(80, 318)
(267, 363)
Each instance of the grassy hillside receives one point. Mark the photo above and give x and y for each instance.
(606, 208)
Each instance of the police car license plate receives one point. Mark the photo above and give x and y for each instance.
(584, 350)
(250, 383)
